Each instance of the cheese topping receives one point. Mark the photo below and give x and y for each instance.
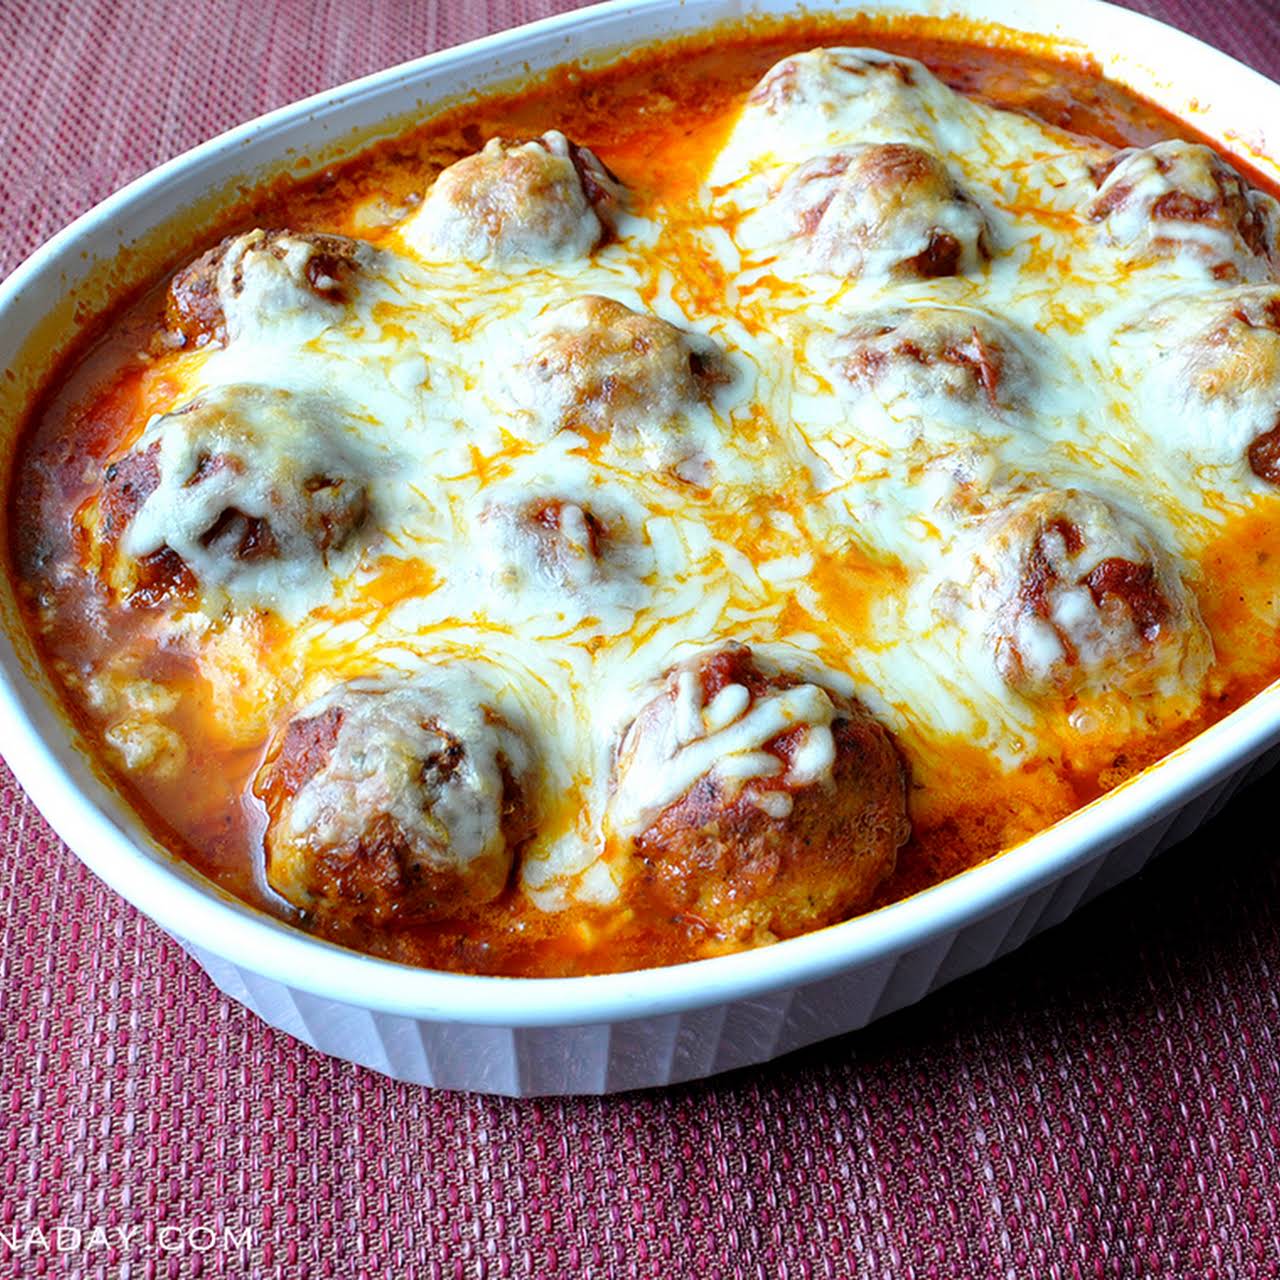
(677, 740)
(1179, 197)
(587, 459)
(375, 766)
(540, 201)
(419, 770)
(260, 491)
(272, 285)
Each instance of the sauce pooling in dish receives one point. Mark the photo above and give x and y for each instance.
(676, 508)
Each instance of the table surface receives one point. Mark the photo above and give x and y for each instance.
(1104, 1104)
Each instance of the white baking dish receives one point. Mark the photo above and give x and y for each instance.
(600, 1034)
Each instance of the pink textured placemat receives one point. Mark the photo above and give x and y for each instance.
(1106, 1104)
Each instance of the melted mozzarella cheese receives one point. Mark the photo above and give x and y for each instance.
(265, 292)
(1207, 369)
(376, 765)
(685, 740)
(264, 454)
(802, 497)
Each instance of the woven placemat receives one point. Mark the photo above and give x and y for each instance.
(1105, 1104)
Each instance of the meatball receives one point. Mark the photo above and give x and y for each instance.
(551, 542)
(812, 102)
(245, 488)
(558, 542)
(152, 576)
(1177, 198)
(594, 365)
(824, 79)
(762, 805)
(261, 278)
(1079, 598)
(934, 362)
(888, 210)
(1208, 367)
(546, 201)
(584, 560)
(395, 800)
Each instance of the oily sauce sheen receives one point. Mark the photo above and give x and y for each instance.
(657, 120)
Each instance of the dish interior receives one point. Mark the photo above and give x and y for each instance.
(784, 470)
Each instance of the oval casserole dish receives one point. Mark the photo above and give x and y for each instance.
(629, 1030)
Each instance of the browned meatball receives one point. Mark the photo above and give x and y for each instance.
(597, 366)
(156, 575)
(814, 78)
(584, 559)
(935, 360)
(1181, 197)
(828, 100)
(562, 544)
(883, 210)
(544, 200)
(756, 803)
(243, 488)
(316, 269)
(395, 801)
(1079, 598)
(1208, 366)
